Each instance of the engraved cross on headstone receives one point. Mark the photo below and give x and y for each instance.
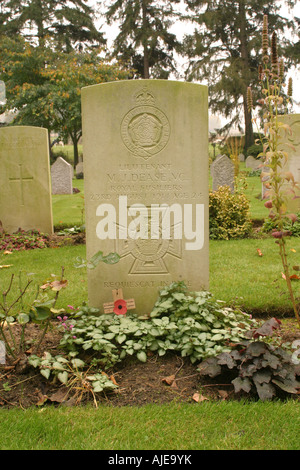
(21, 178)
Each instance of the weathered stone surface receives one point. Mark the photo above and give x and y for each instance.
(145, 148)
(222, 171)
(79, 168)
(253, 163)
(61, 177)
(293, 162)
(25, 187)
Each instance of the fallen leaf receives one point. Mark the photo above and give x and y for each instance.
(42, 399)
(174, 385)
(199, 398)
(113, 380)
(259, 252)
(60, 396)
(5, 266)
(223, 394)
(283, 276)
(168, 380)
(58, 285)
(294, 276)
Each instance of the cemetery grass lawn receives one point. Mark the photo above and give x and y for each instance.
(196, 426)
(68, 209)
(238, 275)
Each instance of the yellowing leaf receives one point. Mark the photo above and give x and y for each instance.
(199, 398)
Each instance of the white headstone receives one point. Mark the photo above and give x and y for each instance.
(61, 175)
(145, 147)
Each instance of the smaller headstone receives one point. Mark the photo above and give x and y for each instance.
(61, 175)
(222, 171)
(79, 170)
(25, 187)
(241, 157)
(253, 163)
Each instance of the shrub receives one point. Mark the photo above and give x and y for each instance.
(254, 150)
(293, 227)
(228, 214)
(256, 366)
(22, 240)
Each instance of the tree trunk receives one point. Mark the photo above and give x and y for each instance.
(145, 41)
(249, 138)
(75, 141)
(39, 23)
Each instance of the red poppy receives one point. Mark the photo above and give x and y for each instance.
(120, 307)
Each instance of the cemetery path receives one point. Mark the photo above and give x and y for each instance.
(159, 380)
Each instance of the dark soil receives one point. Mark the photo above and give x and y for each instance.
(55, 240)
(159, 380)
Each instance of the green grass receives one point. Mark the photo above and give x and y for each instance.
(67, 150)
(237, 273)
(68, 209)
(206, 426)
(41, 265)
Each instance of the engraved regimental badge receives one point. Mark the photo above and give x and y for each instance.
(145, 129)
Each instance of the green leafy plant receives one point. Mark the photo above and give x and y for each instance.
(228, 214)
(41, 311)
(255, 366)
(293, 228)
(111, 258)
(192, 324)
(23, 240)
(72, 230)
(71, 373)
(279, 183)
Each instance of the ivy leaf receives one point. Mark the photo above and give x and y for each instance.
(262, 376)
(142, 356)
(265, 391)
(63, 377)
(289, 386)
(267, 328)
(240, 383)
(226, 358)
(46, 373)
(256, 349)
(121, 338)
(210, 367)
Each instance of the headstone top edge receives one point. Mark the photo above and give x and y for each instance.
(143, 83)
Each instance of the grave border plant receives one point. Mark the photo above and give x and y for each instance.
(275, 102)
(256, 366)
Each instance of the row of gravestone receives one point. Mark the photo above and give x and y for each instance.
(146, 185)
(222, 171)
